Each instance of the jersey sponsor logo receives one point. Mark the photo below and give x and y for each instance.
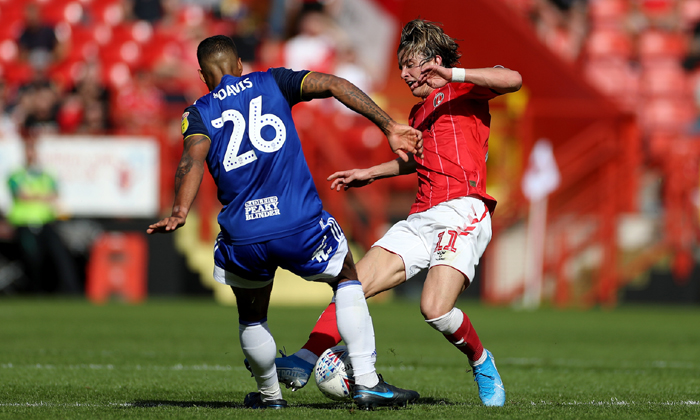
(261, 208)
(234, 90)
(437, 100)
(185, 124)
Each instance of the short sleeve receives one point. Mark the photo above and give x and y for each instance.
(192, 123)
(473, 91)
(290, 83)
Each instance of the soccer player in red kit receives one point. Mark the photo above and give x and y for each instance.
(449, 225)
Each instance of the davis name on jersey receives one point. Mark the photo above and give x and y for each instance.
(227, 90)
(255, 157)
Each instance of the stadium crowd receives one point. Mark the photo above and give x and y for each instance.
(112, 67)
(127, 67)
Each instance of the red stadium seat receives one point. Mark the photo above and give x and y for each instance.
(607, 13)
(659, 116)
(665, 82)
(616, 78)
(56, 11)
(656, 8)
(657, 45)
(110, 12)
(608, 42)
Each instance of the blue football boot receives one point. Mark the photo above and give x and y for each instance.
(293, 371)
(491, 390)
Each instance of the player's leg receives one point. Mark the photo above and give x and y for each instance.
(258, 346)
(440, 291)
(324, 256)
(252, 287)
(378, 270)
(356, 329)
(455, 254)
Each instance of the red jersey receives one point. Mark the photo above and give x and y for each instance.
(455, 122)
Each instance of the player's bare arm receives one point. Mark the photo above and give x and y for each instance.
(403, 139)
(499, 79)
(188, 177)
(355, 178)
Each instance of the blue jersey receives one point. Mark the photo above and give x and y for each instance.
(255, 157)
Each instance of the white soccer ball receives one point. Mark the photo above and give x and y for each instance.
(333, 374)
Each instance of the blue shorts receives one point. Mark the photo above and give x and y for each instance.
(315, 254)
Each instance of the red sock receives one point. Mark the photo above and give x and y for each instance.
(325, 333)
(466, 340)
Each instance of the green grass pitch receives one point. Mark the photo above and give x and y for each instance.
(165, 359)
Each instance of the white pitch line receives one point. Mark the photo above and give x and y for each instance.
(534, 361)
(614, 402)
(97, 366)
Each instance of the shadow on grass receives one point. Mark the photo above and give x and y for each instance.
(317, 406)
(349, 405)
(185, 404)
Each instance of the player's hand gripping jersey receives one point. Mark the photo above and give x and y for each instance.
(255, 157)
(455, 122)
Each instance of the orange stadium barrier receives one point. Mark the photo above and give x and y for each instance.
(118, 267)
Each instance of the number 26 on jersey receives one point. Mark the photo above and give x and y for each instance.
(256, 122)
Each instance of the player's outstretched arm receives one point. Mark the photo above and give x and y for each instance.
(403, 139)
(187, 180)
(499, 79)
(355, 178)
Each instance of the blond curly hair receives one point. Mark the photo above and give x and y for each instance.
(427, 39)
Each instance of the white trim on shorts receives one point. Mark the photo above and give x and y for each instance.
(226, 277)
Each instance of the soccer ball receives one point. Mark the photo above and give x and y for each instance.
(333, 374)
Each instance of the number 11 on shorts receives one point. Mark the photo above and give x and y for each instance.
(450, 243)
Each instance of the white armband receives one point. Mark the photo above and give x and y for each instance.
(458, 75)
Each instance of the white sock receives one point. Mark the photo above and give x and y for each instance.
(259, 348)
(448, 323)
(356, 329)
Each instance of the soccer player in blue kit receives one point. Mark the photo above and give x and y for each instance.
(272, 215)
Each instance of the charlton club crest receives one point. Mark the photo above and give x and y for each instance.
(438, 99)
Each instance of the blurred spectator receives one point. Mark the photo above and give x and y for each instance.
(171, 60)
(86, 109)
(47, 264)
(139, 107)
(247, 38)
(692, 58)
(561, 25)
(148, 10)
(348, 67)
(38, 43)
(314, 47)
(38, 102)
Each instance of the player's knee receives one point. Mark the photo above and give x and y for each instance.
(431, 308)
